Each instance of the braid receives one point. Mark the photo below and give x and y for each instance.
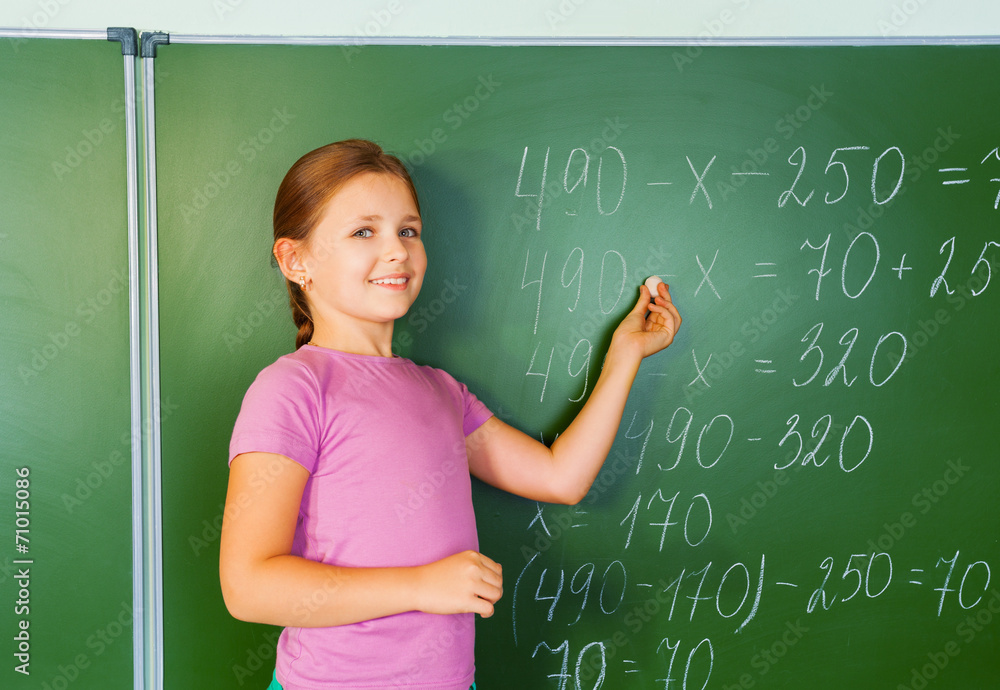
(300, 314)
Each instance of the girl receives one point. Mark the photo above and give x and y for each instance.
(331, 438)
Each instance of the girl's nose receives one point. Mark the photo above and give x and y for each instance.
(395, 249)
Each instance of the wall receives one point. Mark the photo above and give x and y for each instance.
(716, 19)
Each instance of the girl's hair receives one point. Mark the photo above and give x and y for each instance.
(308, 187)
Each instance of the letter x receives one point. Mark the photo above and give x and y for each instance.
(701, 371)
(539, 518)
(705, 273)
(701, 182)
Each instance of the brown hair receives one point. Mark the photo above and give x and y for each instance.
(307, 188)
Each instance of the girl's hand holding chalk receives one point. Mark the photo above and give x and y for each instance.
(650, 326)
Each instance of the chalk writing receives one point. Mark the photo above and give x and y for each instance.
(650, 558)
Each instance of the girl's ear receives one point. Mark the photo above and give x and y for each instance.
(289, 254)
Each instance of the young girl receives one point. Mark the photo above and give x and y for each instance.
(335, 435)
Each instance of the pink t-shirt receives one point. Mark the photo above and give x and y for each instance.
(384, 442)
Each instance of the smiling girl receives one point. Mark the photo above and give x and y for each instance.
(333, 435)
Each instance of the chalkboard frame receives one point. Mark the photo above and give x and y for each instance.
(145, 451)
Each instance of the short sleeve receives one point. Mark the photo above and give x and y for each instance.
(280, 415)
(475, 412)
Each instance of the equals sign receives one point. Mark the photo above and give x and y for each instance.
(630, 661)
(916, 570)
(764, 363)
(953, 170)
(766, 275)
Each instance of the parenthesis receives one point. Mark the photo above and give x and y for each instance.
(756, 603)
(517, 586)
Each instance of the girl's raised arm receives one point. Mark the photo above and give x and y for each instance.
(263, 583)
(563, 473)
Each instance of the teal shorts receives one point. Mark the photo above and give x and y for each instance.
(275, 685)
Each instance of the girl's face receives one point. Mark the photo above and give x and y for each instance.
(365, 257)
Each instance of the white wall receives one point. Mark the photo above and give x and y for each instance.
(662, 18)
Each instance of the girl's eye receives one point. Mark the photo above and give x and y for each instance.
(409, 232)
(363, 232)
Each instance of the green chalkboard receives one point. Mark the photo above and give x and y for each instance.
(802, 493)
(65, 477)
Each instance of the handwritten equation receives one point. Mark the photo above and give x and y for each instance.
(613, 274)
(556, 600)
(884, 176)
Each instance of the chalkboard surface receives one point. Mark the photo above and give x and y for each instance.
(65, 477)
(802, 493)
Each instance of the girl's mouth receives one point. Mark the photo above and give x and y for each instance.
(391, 281)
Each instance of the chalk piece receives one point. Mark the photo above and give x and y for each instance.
(652, 282)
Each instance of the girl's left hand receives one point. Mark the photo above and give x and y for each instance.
(640, 335)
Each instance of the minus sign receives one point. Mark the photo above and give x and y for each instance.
(767, 275)
(786, 584)
(657, 184)
(656, 374)
(577, 526)
(642, 584)
(570, 214)
(27, 562)
(766, 371)
(952, 169)
(755, 439)
(955, 181)
(751, 173)
(914, 582)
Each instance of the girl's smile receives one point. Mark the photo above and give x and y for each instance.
(393, 282)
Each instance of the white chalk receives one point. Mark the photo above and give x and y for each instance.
(653, 282)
